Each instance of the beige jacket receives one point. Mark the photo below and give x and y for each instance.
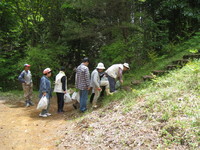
(113, 71)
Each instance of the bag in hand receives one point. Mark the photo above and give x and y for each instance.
(67, 98)
(43, 103)
(76, 96)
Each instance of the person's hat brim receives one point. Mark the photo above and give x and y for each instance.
(27, 65)
(101, 68)
(47, 70)
(126, 65)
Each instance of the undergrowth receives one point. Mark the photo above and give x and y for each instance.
(160, 62)
(172, 99)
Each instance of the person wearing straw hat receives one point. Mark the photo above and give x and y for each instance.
(95, 83)
(45, 90)
(26, 79)
(115, 72)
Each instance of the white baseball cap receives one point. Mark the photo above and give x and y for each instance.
(126, 65)
(100, 66)
(47, 70)
(27, 65)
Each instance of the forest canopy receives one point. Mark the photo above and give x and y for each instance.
(54, 33)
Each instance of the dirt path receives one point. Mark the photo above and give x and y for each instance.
(22, 129)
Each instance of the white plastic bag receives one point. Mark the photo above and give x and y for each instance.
(43, 103)
(76, 96)
(67, 98)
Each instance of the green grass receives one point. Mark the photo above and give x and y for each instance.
(16, 95)
(174, 99)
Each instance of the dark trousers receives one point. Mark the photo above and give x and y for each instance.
(103, 90)
(60, 100)
(92, 97)
(112, 83)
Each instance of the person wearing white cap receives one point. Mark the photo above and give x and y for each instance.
(115, 72)
(45, 90)
(95, 83)
(26, 79)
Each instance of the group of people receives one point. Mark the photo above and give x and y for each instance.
(83, 83)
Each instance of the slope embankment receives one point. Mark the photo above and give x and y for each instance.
(161, 114)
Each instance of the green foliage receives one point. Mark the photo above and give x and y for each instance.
(193, 43)
(45, 57)
(193, 51)
(153, 56)
(104, 30)
(121, 51)
(40, 58)
(112, 53)
(169, 49)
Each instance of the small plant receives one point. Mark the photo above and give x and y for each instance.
(153, 56)
(193, 51)
(165, 116)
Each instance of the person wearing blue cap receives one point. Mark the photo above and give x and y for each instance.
(26, 79)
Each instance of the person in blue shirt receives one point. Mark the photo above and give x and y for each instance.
(26, 79)
(45, 90)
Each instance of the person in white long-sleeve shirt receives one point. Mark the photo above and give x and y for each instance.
(95, 83)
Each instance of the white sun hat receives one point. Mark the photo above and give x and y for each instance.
(126, 65)
(100, 66)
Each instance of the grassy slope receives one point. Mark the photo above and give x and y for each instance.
(175, 100)
(162, 114)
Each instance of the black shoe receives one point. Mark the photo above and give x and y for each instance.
(83, 111)
(60, 112)
(27, 103)
(74, 106)
(30, 103)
